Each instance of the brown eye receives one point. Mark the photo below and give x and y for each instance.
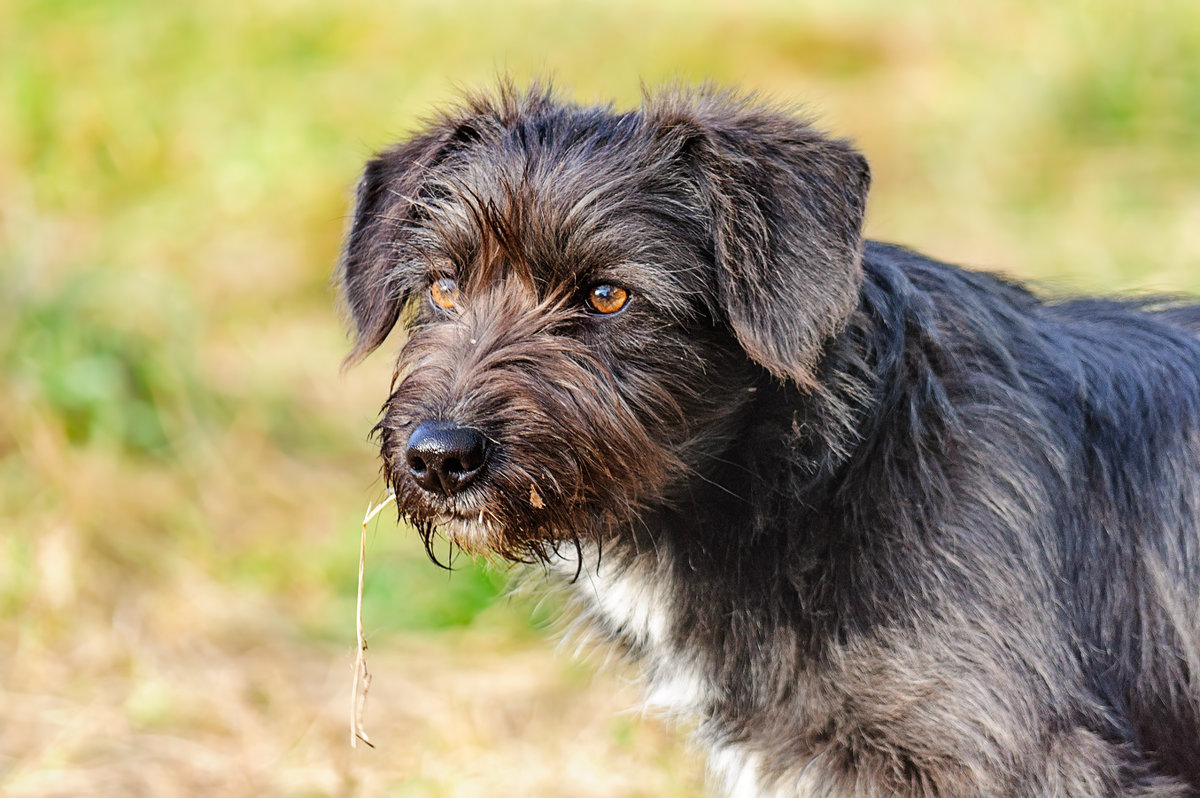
(607, 299)
(444, 293)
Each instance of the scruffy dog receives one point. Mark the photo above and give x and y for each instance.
(879, 525)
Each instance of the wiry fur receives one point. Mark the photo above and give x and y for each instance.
(882, 526)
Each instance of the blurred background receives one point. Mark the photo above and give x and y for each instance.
(183, 471)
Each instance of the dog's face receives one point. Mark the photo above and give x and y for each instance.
(587, 297)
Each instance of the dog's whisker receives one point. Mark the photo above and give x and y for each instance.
(724, 461)
(700, 476)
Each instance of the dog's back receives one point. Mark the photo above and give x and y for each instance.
(1098, 405)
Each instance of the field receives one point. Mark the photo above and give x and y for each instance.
(183, 469)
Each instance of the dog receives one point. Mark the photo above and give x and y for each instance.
(877, 525)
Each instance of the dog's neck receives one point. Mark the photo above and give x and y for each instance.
(734, 545)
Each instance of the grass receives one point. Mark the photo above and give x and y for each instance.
(182, 471)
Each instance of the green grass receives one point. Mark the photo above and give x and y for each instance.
(178, 454)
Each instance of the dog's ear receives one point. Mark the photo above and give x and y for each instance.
(786, 207)
(389, 199)
(385, 204)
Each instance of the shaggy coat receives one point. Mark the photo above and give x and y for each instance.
(878, 525)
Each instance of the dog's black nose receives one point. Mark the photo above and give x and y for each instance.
(444, 457)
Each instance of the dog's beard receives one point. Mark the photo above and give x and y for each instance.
(499, 528)
(475, 536)
(574, 450)
(505, 515)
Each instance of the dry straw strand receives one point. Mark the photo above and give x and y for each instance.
(362, 677)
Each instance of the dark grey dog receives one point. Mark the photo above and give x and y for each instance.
(881, 526)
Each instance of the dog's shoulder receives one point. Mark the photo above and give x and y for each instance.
(982, 313)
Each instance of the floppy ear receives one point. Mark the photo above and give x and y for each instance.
(388, 201)
(787, 210)
(371, 284)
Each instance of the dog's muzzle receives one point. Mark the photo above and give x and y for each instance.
(444, 458)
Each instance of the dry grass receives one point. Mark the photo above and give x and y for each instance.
(246, 713)
(362, 677)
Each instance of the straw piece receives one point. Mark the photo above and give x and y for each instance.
(362, 678)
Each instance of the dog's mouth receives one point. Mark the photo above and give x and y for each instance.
(490, 520)
(482, 520)
(473, 534)
(516, 486)
(464, 520)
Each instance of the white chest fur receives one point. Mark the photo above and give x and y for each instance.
(635, 601)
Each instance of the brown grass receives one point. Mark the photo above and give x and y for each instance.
(362, 677)
(250, 715)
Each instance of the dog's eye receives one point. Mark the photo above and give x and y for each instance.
(606, 299)
(444, 293)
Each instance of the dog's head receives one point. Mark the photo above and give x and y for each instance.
(588, 296)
